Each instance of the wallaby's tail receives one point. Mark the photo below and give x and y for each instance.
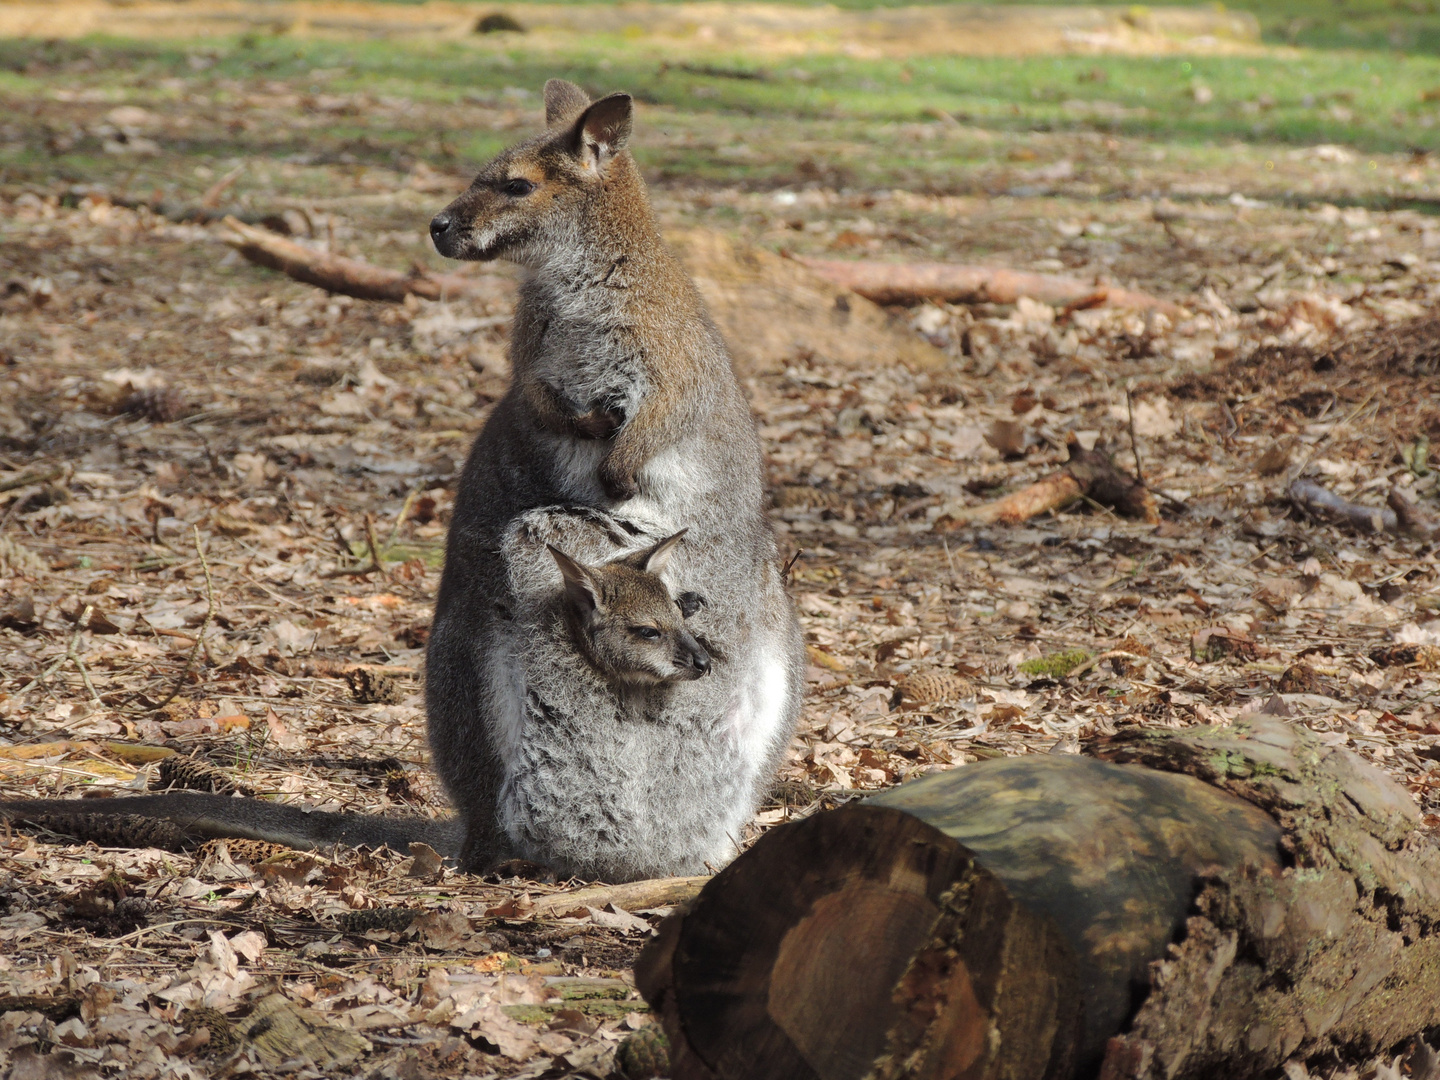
(177, 820)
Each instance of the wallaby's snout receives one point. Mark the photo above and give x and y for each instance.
(440, 232)
(525, 204)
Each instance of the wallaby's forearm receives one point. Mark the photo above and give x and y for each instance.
(656, 425)
(554, 413)
(208, 817)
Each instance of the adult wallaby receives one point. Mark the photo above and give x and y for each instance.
(623, 400)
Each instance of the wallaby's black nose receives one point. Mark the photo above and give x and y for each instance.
(701, 659)
(440, 225)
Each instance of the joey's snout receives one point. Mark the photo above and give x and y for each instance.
(691, 658)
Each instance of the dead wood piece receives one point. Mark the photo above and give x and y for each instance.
(1256, 981)
(1409, 518)
(632, 896)
(914, 283)
(338, 274)
(1088, 474)
(961, 925)
(25, 478)
(1323, 503)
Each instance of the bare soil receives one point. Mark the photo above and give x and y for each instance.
(194, 450)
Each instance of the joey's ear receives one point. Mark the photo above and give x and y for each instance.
(654, 560)
(603, 129)
(580, 587)
(564, 101)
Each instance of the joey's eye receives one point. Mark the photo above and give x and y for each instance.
(518, 187)
(649, 633)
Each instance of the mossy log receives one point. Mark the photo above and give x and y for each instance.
(1210, 902)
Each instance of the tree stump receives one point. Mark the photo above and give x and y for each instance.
(1058, 916)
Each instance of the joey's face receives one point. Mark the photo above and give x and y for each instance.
(627, 622)
(640, 649)
(530, 199)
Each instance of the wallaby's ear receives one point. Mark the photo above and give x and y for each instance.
(654, 560)
(580, 588)
(603, 129)
(564, 101)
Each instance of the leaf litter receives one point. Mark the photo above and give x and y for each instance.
(246, 484)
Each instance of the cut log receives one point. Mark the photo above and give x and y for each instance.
(914, 283)
(1017, 918)
(950, 927)
(1088, 473)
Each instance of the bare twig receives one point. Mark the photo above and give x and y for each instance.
(1409, 518)
(369, 567)
(1134, 445)
(633, 896)
(913, 283)
(401, 517)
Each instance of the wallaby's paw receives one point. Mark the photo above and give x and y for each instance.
(619, 483)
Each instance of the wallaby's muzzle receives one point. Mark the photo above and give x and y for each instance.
(442, 231)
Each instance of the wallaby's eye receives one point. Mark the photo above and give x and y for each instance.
(518, 187)
(649, 633)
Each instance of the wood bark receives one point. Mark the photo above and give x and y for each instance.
(335, 273)
(914, 283)
(1088, 473)
(1038, 917)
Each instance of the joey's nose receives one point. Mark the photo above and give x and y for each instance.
(440, 225)
(700, 659)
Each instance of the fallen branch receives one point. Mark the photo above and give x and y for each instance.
(370, 566)
(1324, 503)
(633, 896)
(1409, 518)
(914, 283)
(1088, 474)
(337, 274)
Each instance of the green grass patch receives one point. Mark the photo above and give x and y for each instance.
(1056, 665)
(920, 123)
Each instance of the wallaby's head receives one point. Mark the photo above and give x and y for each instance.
(530, 198)
(626, 620)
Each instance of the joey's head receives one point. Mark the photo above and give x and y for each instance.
(534, 197)
(626, 621)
